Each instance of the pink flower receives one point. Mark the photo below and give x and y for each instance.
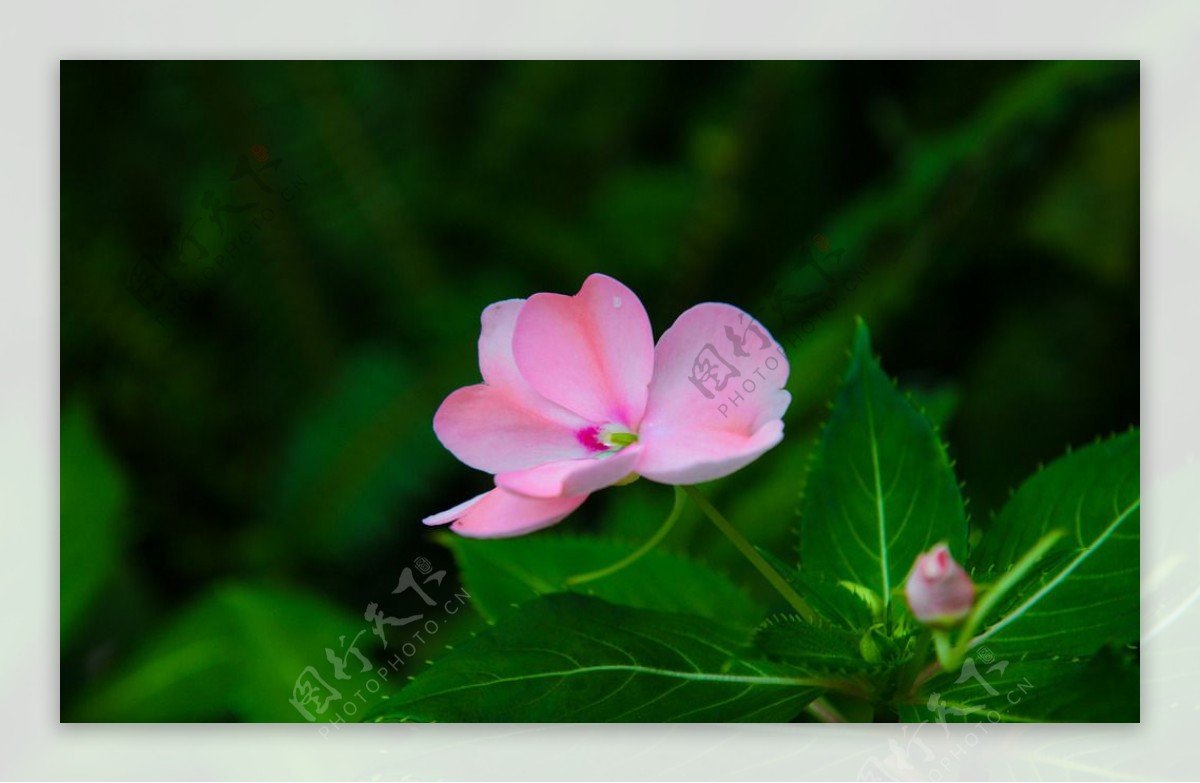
(939, 591)
(577, 397)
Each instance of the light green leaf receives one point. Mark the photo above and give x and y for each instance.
(353, 460)
(880, 490)
(575, 658)
(1089, 597)
(93, 495)
(237, 651)
(502, 574)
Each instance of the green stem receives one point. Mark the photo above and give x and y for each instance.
(1008, 582)
(747, 549)
(912, 670)
(988, 601)
(825, 712)
(941, 645)
(630, 559)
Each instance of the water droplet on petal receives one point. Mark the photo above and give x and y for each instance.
(617, 302)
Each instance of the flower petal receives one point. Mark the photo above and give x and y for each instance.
(704, 455)
(491, 430)
(717, 397)
(567, 478)
(503, 424)
(500, 513)
(495, 345)
(592, 353)
(499, 368)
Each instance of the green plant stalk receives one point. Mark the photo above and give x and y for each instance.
(825, 712)
(983, 607)
(942, 648)
(633, 557)
(912, 669)
(747, 549)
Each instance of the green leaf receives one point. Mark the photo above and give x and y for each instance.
(237, 651)
(1103, 689)
(837, 603)
(1089, 597)
(880, 490)
(576, 658)
(812, 648)
(93, 492)
(937, 403)
(501, 574)
(353, 460)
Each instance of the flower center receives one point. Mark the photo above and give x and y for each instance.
(622, 439)
(607, 438)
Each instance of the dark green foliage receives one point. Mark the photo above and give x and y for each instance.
(272, 274)
(575, 658)
(503, 574)
(1090, 595)
(880, 490)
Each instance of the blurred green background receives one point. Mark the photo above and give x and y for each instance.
(272, 274)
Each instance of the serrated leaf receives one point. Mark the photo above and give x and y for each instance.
(1089, 596)
(936, 403)
(570, 657)
(1103, 689)
(816, 649)
(834, 602)
(501, 574)
(880, 490)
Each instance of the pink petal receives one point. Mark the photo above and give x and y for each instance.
(495, 344)
(499, 368)
(592, 353)
(712, 411)
(451, 514)
(504, 424)
(500, 513)
(491, 430)
(939, 591)
(567, 478)
(683, 457)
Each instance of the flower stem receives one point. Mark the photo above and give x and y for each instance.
(912, 671)
(941, 645)
(632, 557)
(1006, 583)
(951, 658)
(746, 548)
(825, 712)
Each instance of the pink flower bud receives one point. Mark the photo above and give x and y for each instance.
(939, 591)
